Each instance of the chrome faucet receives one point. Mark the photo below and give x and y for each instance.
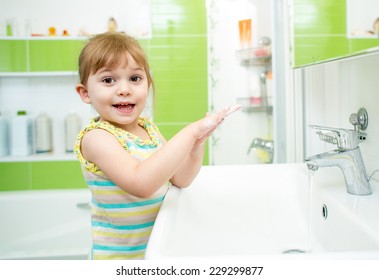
(348, 156)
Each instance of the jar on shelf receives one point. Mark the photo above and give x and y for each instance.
(72, 128)
(44, 136)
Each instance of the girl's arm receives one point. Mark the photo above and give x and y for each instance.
(191, 165)
(144, 178)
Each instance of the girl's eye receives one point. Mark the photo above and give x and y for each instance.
(108, 80)
(135, 78)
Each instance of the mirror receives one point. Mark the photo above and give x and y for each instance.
(322, 31)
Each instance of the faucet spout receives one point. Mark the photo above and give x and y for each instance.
(352, 166)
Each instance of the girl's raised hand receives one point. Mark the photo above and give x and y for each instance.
(212, 121)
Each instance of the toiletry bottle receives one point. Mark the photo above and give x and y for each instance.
(4, 136)
(43, 133)
(9, 31)
(72, 128)
(21, 133)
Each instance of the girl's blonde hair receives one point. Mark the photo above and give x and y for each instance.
(108, 50)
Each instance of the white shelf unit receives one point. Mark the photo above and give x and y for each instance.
(49, 92)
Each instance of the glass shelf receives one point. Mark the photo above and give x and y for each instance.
(254, 56)
(250, 104)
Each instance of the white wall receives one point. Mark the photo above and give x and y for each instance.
(228, 80)
(337, 89)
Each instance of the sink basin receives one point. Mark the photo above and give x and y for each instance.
(276, 210)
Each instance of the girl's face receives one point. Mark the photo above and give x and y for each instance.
(118, 94)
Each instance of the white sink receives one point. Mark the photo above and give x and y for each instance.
(263, 210)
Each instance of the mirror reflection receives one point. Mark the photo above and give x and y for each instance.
(362, 19)
(328, 30)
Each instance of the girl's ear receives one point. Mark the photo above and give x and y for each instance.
(83, 93)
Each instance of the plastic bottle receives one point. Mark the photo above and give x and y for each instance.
(43, 133)
(9, 30)
(21, 135)
(72, 128)
(4, 136)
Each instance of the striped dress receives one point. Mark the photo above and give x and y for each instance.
(121, 223)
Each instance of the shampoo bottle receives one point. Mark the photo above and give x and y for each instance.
(43, 133)
(72, 128)
(4, 136)
(21, 135)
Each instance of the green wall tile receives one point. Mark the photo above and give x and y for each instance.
(60, 175)
(328, 47)
(180, 74)
(13, 55)
(357, 45)
(169, 130)
(178, 59)
(15, 176)
(177, 17)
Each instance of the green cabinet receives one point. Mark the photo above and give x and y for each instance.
(54, 55)
(13, 55)
(39, 55)
(37, 175)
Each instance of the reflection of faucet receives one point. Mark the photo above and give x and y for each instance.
(265, 146)
(348, 156)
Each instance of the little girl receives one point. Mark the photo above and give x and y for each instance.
(126, 162)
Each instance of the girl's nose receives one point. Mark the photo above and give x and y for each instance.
(124, 90)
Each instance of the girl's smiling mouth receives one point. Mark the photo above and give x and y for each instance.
(124, 107)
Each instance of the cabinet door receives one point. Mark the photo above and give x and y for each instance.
(13, 55)
(57, 175)
(54, 55)
(15, 176)
(40, 175)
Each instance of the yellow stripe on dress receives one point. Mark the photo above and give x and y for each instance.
(114, 234)
(125, 214)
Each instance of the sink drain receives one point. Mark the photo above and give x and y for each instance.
(324, 211)
(295, 251)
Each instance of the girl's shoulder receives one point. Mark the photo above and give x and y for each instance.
(92, 125)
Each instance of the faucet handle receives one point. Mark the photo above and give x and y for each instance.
(345, 139)
(359, 120)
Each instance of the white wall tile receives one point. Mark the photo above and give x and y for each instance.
(337, 89)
